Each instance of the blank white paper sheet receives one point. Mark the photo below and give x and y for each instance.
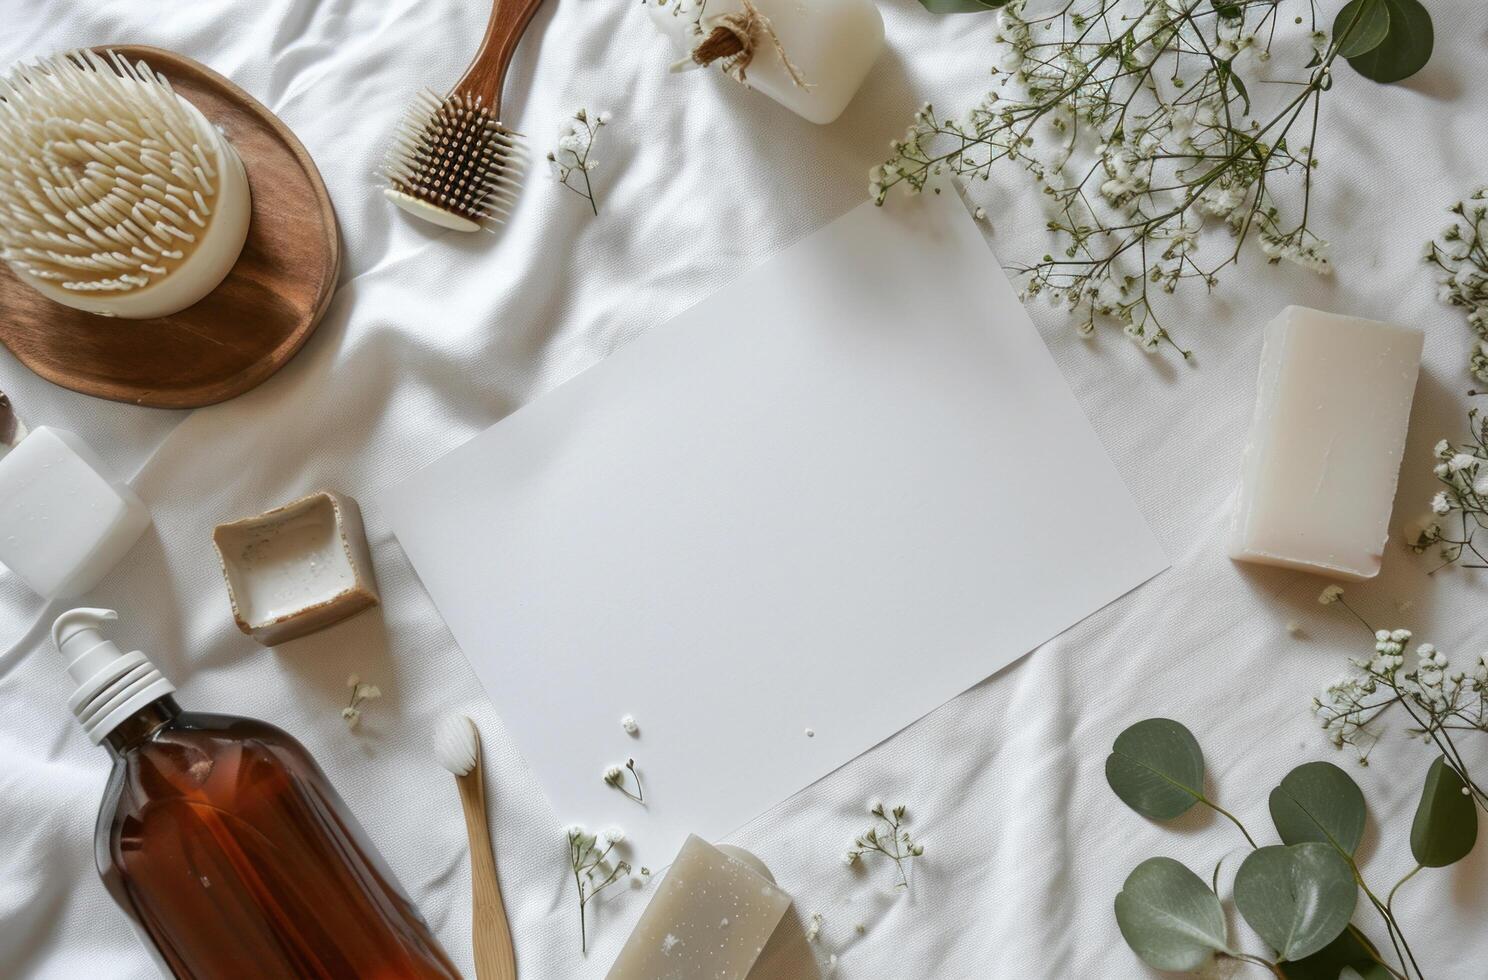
(829, 498)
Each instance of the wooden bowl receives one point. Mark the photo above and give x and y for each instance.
(241, 332)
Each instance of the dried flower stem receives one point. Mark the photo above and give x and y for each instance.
(588, 858)
(886, 837)
(571, 156)
(360, 693)
(615, 776)
(1462, 503)
(1438, 700)
(1462, 256)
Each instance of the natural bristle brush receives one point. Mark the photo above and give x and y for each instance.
(120, 198)
(452, 162)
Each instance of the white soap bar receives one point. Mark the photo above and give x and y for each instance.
(65, 520)
(710, 918)
(1321, 463)
(831, 43)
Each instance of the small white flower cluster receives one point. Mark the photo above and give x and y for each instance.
(1170, 153)
(886, 836)
(1459, 510)
(1462, 256)
(615, 776)
(571, 158)
(360, 694)
(593, 868)
(628, 723)
(1438, 699)
(1297, 247)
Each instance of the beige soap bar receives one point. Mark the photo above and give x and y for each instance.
(1323, 456)
(709, 919)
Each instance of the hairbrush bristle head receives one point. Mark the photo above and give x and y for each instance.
(452, 162)
(119, 197)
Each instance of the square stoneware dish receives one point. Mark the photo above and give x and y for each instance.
(297, 568)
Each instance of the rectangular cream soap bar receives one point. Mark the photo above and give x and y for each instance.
(1318, 479)
(710, 919)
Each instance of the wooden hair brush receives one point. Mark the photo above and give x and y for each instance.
(452, 162)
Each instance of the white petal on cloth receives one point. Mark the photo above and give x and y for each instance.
(434, 337)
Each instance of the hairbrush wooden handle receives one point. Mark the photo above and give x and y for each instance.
(484, 78)
(490, 934)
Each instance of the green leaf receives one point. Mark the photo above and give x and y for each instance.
(1169, 917)
(1317, 801)
(1227, 9)
(1297, 897)
(1405, 49)
(962, 6)
(1361, 26)
(1446, 825)
(1351, 950)
(1157, 768)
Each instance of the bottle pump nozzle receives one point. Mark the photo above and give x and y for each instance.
(111, 685)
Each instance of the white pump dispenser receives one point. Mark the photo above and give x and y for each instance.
(111, 685)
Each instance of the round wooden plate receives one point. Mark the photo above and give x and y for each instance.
(241, 332)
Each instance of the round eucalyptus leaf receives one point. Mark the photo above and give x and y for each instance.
(1351, 950)
(1405, 49)
(1169, 917)
(1446, 825)
(1317, 801)
(1157, 768)
(1297, 897)
(1361, 26)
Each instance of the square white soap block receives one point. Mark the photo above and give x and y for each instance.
(65, 520)
(1323, 457)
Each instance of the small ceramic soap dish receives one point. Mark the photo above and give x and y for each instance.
(297, 568)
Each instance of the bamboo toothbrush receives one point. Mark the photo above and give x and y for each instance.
(452, 162)
(457, 746)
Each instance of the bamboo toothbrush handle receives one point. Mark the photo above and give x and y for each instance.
(494, 957)
(483, 79)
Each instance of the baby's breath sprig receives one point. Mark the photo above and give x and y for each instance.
(360, 694)
(1442, 703)
(570, 159)
(593, 871)
(1154, 106)
(1461, 254)
(1459, 511)
(615, 776)
(888, 837)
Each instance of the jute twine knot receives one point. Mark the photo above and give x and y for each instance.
(733, 40)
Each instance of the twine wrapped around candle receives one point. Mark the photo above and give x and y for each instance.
(733, 40)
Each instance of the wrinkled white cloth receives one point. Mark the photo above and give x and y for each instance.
(434, 336)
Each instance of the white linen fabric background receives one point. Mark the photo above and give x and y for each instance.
(434, 336)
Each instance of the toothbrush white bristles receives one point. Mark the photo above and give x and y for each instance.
(452, 162)
(105, 185)
(456, 745)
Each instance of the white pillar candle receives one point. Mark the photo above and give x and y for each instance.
(65, 520)
(1321, 463)
(711, 917)
(824, 51)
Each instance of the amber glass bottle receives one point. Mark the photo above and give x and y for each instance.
(226, 843)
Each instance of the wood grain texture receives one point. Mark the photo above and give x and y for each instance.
(245, 329)
(495, 959)
(487, 72)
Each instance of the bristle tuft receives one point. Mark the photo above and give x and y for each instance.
(453, 154)
(105, 182)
